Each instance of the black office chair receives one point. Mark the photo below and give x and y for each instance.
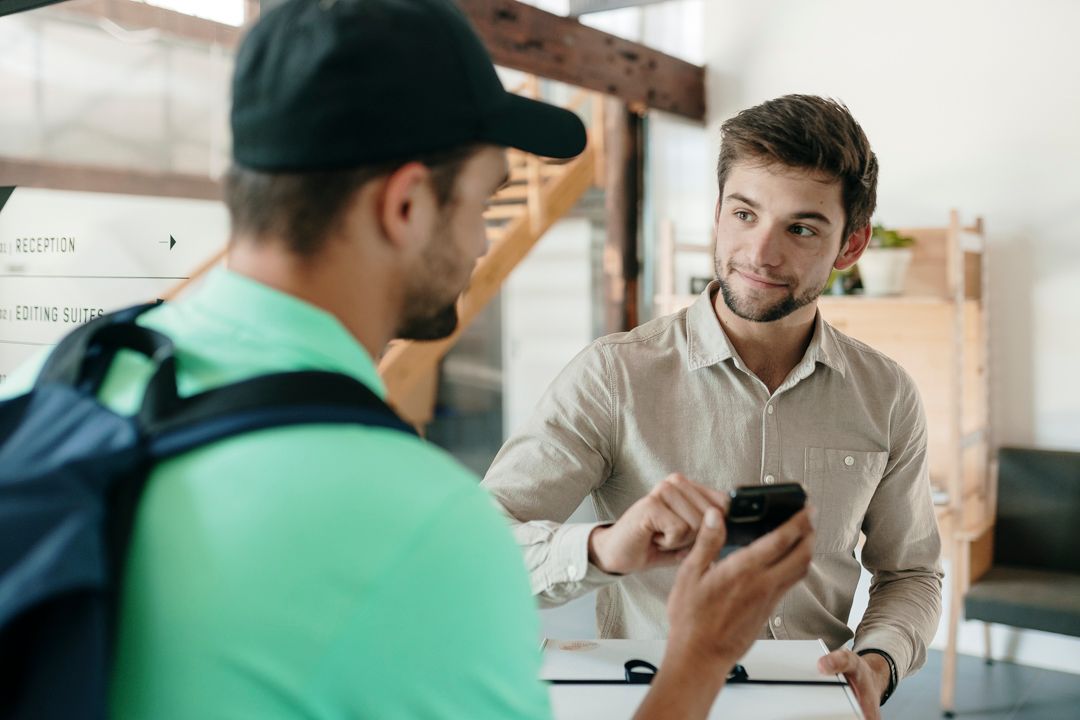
(1034, 581)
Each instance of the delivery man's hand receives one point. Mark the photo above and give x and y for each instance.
(717, 610)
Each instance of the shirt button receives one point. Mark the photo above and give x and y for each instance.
(777, 621)
(769, 409)
(849, 461)
(570, 571)
(769, 479)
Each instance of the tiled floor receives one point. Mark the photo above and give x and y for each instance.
(1002, 691)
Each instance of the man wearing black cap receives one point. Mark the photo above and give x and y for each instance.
(330, 571)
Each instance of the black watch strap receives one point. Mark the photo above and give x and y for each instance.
(893, 677)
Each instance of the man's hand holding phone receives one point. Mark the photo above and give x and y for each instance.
(658, 529)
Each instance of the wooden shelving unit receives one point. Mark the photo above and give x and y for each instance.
(938, 330)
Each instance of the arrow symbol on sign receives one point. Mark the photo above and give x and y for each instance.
(172, 241)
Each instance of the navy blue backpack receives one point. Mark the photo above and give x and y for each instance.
(71, 474)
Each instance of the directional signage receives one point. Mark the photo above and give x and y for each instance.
(67, 257)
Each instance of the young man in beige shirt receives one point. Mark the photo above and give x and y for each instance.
(746, 386)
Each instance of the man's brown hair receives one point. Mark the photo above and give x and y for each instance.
(305, 208)
(810, 132)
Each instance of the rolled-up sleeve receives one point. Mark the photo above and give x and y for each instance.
(562, 454)
(903, 548)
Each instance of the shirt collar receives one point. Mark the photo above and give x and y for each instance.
(824, 347)
(708, 344)
(258, 313)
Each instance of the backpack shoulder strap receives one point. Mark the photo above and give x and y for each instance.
(174, 425)
(171, 425)
(84, 354)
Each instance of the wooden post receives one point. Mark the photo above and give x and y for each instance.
(957, 588)
(959, 545)
(631, 261)
(622, 184)
(597, 128)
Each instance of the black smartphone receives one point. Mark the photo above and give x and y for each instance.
(758, 509)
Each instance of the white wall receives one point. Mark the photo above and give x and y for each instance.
(546, 318)
(968, 104)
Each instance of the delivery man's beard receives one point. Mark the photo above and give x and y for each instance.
(434, 326)
(430, 310)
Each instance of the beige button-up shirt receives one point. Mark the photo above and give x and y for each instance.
(673, 396)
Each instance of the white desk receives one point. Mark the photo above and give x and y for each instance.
(767, 660)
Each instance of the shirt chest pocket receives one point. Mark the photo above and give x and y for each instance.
(840, 484)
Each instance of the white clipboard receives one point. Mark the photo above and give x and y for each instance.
(774, 660)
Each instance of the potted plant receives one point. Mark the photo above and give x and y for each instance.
(844, 282)
(884, 264)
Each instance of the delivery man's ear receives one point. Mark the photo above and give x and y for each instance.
(406, 206)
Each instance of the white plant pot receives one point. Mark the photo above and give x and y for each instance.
(884, 270)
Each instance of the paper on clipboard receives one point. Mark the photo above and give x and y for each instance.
(797, 663)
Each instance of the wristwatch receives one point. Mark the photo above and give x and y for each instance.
(893, 679)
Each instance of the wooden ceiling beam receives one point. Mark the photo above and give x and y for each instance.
(534, 41)
(89, 178)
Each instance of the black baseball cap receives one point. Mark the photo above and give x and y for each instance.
(334, 84)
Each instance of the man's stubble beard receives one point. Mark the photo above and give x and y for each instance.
(778, 310)
(427, 314)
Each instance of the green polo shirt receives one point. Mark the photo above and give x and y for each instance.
(319, 571)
